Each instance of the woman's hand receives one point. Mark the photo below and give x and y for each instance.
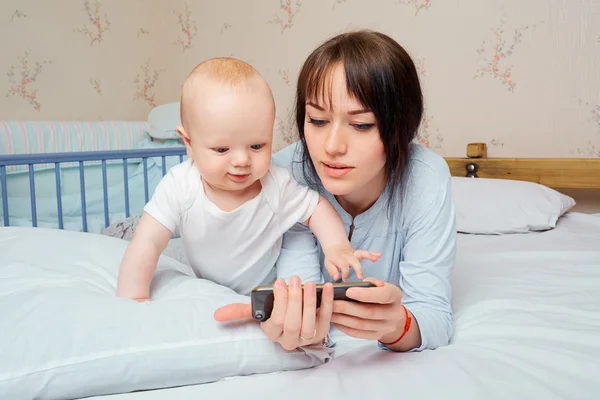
(377, 315)
(295, 320)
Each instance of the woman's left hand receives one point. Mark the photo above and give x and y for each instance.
(377, 315)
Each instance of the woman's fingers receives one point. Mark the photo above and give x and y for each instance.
(325, 311)
(294, 314)
(364, 310)
(233, 312)
(375, 281)
(362, 324)
(309, 311)
(369, 335)
(274, 326)
(385, 294)
(293, 317)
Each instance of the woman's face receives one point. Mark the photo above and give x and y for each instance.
(344, 142)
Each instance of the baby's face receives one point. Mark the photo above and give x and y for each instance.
(231, 137)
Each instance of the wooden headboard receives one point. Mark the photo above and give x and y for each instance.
(557, 173)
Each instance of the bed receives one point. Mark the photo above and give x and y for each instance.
(526, 300)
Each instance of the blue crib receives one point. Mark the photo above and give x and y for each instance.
(139, 158)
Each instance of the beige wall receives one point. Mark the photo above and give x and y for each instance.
(77, 60)
(522, 76)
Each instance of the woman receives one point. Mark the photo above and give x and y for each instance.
(358, 108)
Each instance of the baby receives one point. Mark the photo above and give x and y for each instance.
(230, 205)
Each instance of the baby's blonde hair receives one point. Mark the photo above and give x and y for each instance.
(228, 71)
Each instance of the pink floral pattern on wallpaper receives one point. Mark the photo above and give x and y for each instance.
(591, 150)
(290, 10)
(144, 84)
(417, 4)
(100, 24)
(420, 65)
(285, 76)
(188, 27)
(96, 85)
(286, 131)
(427, 138)
(497, 52)
(22, 78)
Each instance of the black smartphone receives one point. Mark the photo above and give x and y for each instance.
(262, 297)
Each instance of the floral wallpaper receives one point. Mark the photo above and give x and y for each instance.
(520, 76)
(78, 59)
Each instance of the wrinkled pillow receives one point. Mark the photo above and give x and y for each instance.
(125, 229)
(502, 206)
(64, 333)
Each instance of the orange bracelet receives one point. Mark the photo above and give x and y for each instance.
(406, 328)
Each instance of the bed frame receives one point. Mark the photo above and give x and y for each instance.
(31, 160)
(558, 173)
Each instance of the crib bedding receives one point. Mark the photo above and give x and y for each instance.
(527, 323)
(527, 326)
(19, 200)
(30, 137)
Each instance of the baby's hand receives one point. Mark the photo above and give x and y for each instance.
(341, 258)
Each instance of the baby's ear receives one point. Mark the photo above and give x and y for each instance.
(184, 135)
(186, 141)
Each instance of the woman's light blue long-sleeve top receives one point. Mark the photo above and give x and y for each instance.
(417, 241)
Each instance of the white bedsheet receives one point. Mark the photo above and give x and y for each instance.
(527, 326)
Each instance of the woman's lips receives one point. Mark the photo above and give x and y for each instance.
(336, 170)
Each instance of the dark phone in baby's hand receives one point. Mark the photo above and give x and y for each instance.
(262, 297)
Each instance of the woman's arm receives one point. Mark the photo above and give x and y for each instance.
(426, 266)
(422, 296)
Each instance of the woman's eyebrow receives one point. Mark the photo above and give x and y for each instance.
(318, 107)
(361, 111)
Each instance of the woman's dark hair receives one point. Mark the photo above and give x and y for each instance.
(383, 78)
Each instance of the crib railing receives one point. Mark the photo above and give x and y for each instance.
(80, 157)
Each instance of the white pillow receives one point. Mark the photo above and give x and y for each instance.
(64, 334)
(502, 206)
(164, 120)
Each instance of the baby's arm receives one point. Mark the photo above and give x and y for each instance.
(139, 261)
(327, 226)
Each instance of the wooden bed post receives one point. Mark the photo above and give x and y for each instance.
(477, 150)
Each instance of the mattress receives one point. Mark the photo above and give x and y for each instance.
(527, 326)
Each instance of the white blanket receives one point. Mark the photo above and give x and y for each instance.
(527, 326)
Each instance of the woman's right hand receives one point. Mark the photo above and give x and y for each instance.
(295, 320)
